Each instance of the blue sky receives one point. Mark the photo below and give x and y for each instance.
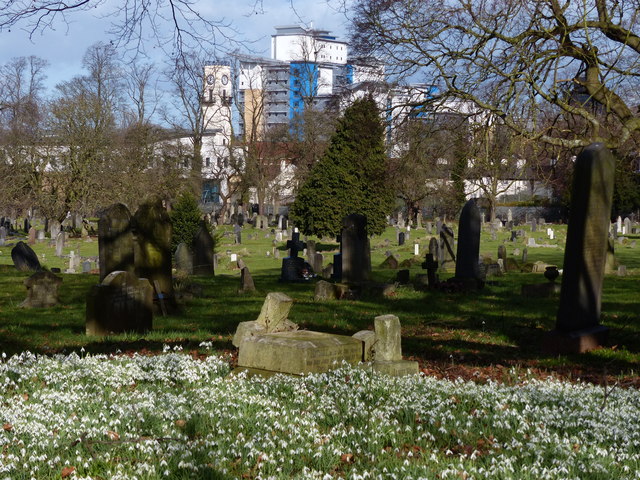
(65, 46)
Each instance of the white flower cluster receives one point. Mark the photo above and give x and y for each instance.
(172, 416)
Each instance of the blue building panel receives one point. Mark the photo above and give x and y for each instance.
(303, 82)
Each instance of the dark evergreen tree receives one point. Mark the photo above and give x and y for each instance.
(186, 219)
(349, 178)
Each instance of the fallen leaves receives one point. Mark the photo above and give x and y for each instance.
(67, 471)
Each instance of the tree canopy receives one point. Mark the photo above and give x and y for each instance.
(562, 72)
(349, 178)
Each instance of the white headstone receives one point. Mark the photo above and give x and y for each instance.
(234, 257)
(416, 249)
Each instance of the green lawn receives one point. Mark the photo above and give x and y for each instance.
(496, 326)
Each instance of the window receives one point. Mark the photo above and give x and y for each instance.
(207, 162)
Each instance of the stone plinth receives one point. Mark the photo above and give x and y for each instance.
(298, 352)
(578, 341)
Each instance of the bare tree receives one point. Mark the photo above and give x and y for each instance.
(177, 26)
(531, 63)
(22, 135)
(84, 121)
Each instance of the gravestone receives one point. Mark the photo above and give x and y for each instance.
(293, 266)
(356, 253)
(317, 262)
(54, 228)
(31, 239)
(311, 253)
(434, 248)
(3, 235)
(627, 225)
(578, 326)
(619, 225)
(42, 290)
(115, 241)
(502, 253)
(509, 215)
(246, 281)
(202, 248)
(324, 291)
(390, 262)
(468, 243)
(184, 259)
(152, 247)
(72, 263)
(447, 257)
(387, 348)
(40, 236)
(237, 231)
(60, 243)
(525, 255)
(24, 258)
(534, 225)
(86, 266)
(431, 266)
(514, 236)
(401, 238)
(121, 303)
(438, 226)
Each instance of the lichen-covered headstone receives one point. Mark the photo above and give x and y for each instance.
(121, 303)
(152, 246)
(115, 240)
(388, 342)
(578, 316)
(275, 310)
(24, 258)
(42, 290)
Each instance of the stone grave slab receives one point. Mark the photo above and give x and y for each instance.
(298, 352)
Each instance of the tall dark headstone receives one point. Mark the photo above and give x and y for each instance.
(203, 252)
(468, 242)
(355, 249)
(152, 246)
(578, 321)
(115, 240)
(401, 238)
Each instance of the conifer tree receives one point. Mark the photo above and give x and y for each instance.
(186, 218)
(349, 178)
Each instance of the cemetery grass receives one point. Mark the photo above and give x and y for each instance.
(472, 335)
(163, 405)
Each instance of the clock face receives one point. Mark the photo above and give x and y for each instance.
(211, 79)
(225, 79)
